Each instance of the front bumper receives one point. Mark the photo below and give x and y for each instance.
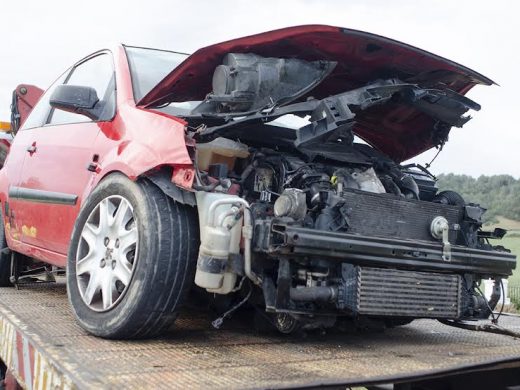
(284, 240)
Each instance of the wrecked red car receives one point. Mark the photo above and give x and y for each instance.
(265, 170)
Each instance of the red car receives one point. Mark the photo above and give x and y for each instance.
(264, 169)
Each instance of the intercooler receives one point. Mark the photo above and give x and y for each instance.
(390, 292)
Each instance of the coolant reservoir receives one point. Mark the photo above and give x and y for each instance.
(217, 244)
(220, 150)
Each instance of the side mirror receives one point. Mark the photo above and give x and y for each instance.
(76, 99)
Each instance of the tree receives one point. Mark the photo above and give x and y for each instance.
(500, 194)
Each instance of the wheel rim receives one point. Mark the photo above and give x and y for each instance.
(286, 323)
(107, 253)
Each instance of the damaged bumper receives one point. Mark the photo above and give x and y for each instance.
(281, 239)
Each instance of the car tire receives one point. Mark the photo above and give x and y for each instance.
(161, 267)
(5, 258)
(449, 197)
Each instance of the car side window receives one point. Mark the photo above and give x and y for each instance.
(40, 112)
(96, 72)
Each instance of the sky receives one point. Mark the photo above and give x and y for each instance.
(40, 39)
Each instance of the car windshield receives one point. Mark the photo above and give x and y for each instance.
(149, 66)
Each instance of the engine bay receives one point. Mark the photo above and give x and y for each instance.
(323, 223)
(289, 196)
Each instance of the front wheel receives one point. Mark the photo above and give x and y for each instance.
(131, 260)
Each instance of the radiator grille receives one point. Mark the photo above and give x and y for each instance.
(388, 292)
(385, 215)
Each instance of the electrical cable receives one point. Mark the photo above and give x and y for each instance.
(493, 318)
(219, 321)
(503, 299)
(490, 328)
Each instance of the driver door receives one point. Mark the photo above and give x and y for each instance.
(55, 169)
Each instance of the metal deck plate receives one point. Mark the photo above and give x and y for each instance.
(195, 355)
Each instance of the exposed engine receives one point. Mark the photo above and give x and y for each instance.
(282, 194)
(313, 192)
(326, 227)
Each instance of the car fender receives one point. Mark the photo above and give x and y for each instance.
(138, 141)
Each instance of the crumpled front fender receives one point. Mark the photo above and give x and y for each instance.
(138, 141)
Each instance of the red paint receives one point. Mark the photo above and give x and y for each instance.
(134, 142)
(26, 98)
(361, 58)
(183, 176)
(62, 152)
(5, 143)
(31, 362)
(138, 139)
(10, 382)
(19, 353)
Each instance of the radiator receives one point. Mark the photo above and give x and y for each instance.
(385, 215)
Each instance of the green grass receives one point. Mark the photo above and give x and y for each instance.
(505, 223)
(512, 243)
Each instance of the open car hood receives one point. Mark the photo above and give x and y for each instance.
(400, 131)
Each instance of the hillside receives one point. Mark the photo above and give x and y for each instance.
(500, 194)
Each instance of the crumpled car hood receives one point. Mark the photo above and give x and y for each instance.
(399, 131)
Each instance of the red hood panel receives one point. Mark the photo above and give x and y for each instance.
(362, 58)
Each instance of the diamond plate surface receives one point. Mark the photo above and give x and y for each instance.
(194, 355)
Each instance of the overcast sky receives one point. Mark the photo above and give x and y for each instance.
(40, 39)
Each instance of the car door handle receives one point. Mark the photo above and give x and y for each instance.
(32, 148)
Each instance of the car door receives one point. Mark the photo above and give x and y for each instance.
(56, 171)
(17, 153)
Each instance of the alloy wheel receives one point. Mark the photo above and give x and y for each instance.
(107, 253)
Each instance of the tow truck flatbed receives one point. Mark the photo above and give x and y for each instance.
(43, 347)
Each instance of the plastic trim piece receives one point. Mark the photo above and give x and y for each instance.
(41, 196)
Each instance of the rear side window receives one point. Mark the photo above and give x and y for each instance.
(96, 72)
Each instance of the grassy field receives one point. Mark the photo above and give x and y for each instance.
(512, 226)
(510, 241)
